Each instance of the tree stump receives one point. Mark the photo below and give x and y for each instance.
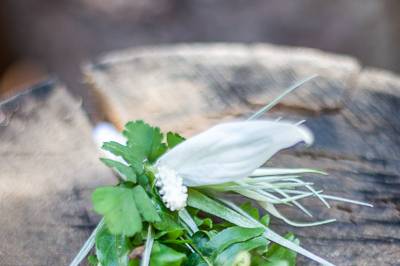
(49, 167)
(354, 113)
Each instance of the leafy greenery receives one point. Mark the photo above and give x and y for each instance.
(230, 255)
(277, 255)
(124, 171)
(232, 235)
(253, 212)
(144, 205)
(211, 230)
(174, 139)
(163, 255)
(92, 260)
(135, 160)
(144, 141)
(112, 250)
(118, 207)
(134, 205)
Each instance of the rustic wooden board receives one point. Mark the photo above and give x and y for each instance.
(191, 87)
(48, 168)
(353, 113)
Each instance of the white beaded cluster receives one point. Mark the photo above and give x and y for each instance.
(171, 188)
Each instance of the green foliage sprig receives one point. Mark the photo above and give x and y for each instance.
(134, 205)
(140, 226)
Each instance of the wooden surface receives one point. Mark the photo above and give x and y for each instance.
(49, 167)
(191, 87)
(354, 113)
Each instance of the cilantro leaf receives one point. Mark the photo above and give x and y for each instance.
(174, 139)
(111, 250)
(118, 207)
(124, 171)
(144, 140)
(144, 205)
(135, 160)
(157, 153)
(163, 255)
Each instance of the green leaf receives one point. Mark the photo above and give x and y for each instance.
(161, 150)
(92, 260)
(230, 255)
(112, 250)
(200, 201)
(187, 221)
(176, 241)
(252, 211)
(265, 220)
(271, 235)
(124, 171)
(143, 180)
(281, 256)
(134, 159)
(200, 240)
(144, 140)
(168, 222)
(134, 262)
(206, 223)
(195, 259)
(118, 207)
(174, 139)
(144, 205)
(171, 234)
(163, 255)
(168, 227)
(232, 235)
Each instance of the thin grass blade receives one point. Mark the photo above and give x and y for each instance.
(268, 107)
(284, 171)
(147, 248)
(88, 245)
(273, 211)
(188, 220)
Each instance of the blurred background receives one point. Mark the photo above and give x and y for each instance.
(47, 37)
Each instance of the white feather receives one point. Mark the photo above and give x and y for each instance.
(231, 151)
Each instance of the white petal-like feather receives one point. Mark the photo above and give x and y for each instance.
(231, 151)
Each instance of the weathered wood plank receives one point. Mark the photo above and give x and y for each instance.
(189, 87)
(48, 168)
(368, 124)
(361, 235)
(352, 112)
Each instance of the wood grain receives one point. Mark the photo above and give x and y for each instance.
(49, 167)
